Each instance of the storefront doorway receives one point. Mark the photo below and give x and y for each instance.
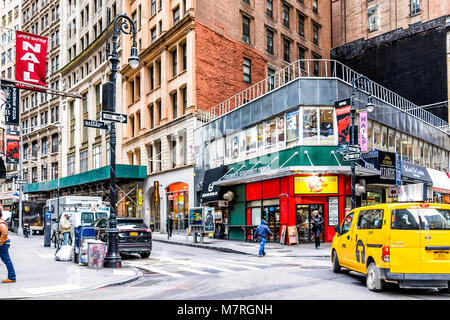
(177, 205)
(304, 222)
(272, 215)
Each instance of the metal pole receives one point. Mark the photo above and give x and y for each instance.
(352, 139)
(112, 259)
(21, 186)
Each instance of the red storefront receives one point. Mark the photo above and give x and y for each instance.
(290, 201)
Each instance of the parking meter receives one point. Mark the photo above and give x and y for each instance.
(47, 229)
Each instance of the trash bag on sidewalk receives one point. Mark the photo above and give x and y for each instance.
(63, 253)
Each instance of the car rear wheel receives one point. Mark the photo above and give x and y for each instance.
(145, 254)
(336, 265)
(373, 280)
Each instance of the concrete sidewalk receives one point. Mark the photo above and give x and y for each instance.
(275, 249)
(38, 273)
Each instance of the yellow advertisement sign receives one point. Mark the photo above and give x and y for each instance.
(316, 185)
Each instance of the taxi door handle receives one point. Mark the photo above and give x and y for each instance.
(348, 237)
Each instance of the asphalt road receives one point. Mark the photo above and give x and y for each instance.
(176, 272)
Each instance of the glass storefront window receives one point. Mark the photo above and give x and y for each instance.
(436, 157)
(242, 147)
(292, 126)
(416, 151)
(260, 128)
(391, 140)
(445, 161)
(426, 158)
(220, 150)
(376, 136)
(398, 143)
(369, 135)
(251, 137)
(384, 138)
(235, 145)
(281, 131)
(271, 133)
(405, 155)
(310, 126)
(327, 126)
(410, 149)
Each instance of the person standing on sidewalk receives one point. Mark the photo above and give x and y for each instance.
(317, 221)
(169, 225)
(64, 227)
(4, 253)
(261, 232)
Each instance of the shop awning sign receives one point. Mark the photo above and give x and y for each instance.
(210, 191)
(316, 185)
(415, 172)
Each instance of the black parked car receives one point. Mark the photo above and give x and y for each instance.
(134, 235)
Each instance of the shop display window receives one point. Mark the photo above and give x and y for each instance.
(310, 133)
(292, 126)
(281, 131)
(251, 138)
(271, 133)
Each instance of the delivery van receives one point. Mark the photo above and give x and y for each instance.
(403, 243)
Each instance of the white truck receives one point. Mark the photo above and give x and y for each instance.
(82, 210)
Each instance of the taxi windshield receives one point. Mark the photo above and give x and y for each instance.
(421, 219)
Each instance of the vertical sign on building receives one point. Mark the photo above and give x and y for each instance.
(156, 192)
(343, 119)
(31, 58)
(12, 146)
(9, 103)
(363, 138)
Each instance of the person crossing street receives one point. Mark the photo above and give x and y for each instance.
(4, 253)
(261, 233)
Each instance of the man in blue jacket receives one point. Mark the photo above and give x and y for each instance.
(261, 233)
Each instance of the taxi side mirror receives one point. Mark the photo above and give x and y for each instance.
(337, 229)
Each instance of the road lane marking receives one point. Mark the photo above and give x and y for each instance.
(193, 270)
(157, 270)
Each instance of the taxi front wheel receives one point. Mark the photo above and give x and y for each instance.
(336, 265)
(373, 280)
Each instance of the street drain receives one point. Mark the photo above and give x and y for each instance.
(146, 283)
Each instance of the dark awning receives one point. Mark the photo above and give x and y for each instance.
(212, 192)
(414, 172)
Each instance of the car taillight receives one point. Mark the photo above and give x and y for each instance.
(386, 254)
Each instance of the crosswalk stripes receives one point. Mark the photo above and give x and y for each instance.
(172, 267)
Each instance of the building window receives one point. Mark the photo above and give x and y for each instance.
(97, 157)
(153, 7)
(271, 75)
(415, 7)
(301, 24)
(44, 172)
(34, 175)
(153, 33)
(55, 143)
(316, 64)
(315, 34)
(83, 161)
(286, 50)
(184, 52)
(54, 170)
(174, 62)
(315, 5)
(174, 105)
(372, 14)
(269, 8)
(70, 165)
(176, 15)
(246, 29)
(269, 41)
(184, 93)
(44, 146)
(286, 9)
(247, 68)
(34, 149)
(301, 57)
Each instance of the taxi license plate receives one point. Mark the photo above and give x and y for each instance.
(133, 234)
(441, 255)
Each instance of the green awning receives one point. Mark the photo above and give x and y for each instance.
(123, 171)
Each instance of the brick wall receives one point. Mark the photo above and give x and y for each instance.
(219, 67)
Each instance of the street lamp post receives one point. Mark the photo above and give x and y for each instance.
(112, 259)
(370, 106)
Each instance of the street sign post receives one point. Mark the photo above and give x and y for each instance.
(21, 181)
(115, 117)
(95, 124)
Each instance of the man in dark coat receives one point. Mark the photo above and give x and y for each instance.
(261, 232)
(317, 227)
(169, 225)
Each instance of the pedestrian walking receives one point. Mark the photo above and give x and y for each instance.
(261, 232)
(169, 225)
(4, 251)
(65, 227)
(317, 228)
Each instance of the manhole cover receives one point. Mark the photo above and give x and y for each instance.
(315, 267)
(286, 265)
(146, 283)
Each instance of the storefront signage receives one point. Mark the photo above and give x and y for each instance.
(363, 136)
(316, 185)
(31, 57)
(384, 161)
(12, 147)
(343, 120)
(9, 102)
(209, 220)
(415, 172)
(195, 216)
(212, 192)
(333, 211)
(156, 192)
(293, 236)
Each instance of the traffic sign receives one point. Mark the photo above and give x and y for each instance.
(116, 117)
(21, 181)
(352, 156)
(95, 124)
(354, 149)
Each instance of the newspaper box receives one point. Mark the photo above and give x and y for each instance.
(96, 254)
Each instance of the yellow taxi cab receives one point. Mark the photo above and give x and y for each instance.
(403, 243)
